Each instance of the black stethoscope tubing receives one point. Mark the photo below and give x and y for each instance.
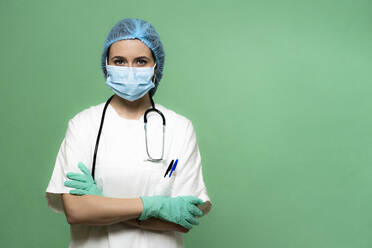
(101, 125)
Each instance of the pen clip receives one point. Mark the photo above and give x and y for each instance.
(169, 168)
(173, 168)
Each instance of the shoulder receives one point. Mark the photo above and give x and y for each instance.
(88, 117)
(173, 119)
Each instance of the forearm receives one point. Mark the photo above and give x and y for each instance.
(162, 225)
(157, 225)
(98, 210)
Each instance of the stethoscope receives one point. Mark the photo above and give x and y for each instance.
(152, 109)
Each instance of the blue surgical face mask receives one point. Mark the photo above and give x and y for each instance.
(130, 83)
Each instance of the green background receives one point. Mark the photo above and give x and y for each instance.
(279, 93)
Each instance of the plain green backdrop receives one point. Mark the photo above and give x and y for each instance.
(279, 93)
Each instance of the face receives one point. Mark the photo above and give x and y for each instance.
(130, 53)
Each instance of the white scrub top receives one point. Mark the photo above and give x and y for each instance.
(123, 172)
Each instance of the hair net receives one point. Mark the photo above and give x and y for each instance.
(133, 28)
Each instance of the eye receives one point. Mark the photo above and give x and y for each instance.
(141, 62)
(118, 61)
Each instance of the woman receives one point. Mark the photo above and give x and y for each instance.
(118, 183)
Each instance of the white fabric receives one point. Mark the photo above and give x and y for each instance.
(123, 172)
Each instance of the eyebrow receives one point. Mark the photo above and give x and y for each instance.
(122, 57)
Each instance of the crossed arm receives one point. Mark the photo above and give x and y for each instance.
(98, 210)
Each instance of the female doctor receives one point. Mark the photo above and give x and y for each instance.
(128, 172)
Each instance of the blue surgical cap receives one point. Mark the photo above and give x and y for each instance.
(133, 28)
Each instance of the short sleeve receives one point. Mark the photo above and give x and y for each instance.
(73, 149)
(189, 177)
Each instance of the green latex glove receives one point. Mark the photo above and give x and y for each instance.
(83, 183)
(180, 210)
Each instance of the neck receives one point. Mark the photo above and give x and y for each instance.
(131, 109)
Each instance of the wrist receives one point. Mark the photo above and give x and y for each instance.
(151, 206)
(144, 213)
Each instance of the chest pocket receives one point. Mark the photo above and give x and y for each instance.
(131, 179)
(164, 184)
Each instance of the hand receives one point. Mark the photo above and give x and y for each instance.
(180, 210)
(83, 183)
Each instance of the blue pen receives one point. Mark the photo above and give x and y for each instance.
(174, 167)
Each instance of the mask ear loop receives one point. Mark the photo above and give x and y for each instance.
(154, 77)
(106, 67)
